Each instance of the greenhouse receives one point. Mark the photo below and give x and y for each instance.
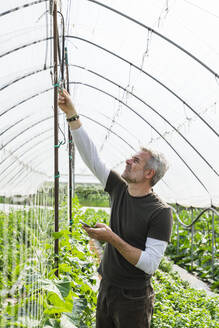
(140, 74)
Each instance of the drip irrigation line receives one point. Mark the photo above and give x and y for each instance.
(21, 7)
(131, 93)
(149, 75)
(196, 219)
(154, 110)
(24, 144)
(131, 109)
(126, 61)
(158, 34)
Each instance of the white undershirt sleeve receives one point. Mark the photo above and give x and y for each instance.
(150, 258)
(89, 154)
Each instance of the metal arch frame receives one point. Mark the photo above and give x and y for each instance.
(22, 176)
(147, 123)
(24, 100)
(13, 125)
(26, 142)
(100, 90)
(20, 170)
(149, 75)
(19, 158)
(21, 7)
(126, 61)
(91, 119)
(45, 139)
(158, 34)
(152, 128)
(132, 20)
(154, 110)
(119, 86)
(33, 125)
(21, 173)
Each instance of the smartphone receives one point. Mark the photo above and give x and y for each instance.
(85, 224)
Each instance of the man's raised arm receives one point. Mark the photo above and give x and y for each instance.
(84, 144)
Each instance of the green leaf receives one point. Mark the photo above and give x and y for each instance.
(67, 322)
(50, 286)
(64, 287)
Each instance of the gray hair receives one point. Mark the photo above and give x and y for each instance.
(158, 163)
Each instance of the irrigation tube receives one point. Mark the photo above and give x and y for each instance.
(191, 227)
(158, 34)
(104, 92)
(126, 61)
(119, 86)
(196, 219)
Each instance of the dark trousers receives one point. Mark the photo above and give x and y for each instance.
(124, 308)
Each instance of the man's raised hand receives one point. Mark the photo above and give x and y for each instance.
(65, 103)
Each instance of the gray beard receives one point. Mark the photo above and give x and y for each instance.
(128, 180)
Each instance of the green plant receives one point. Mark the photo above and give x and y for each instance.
(196, 258)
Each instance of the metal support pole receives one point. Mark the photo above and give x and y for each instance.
(177, 222)
(71, 153)
(192, 241)
(213, 248)
(56, 164)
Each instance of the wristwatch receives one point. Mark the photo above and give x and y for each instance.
(75, 117)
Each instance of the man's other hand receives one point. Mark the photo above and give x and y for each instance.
(100, 232)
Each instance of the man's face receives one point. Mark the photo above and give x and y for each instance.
(135, 168)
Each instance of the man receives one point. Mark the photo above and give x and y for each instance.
(140, 229)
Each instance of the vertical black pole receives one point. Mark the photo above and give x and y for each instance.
(71, 155)
(56, 164)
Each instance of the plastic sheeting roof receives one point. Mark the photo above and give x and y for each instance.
(153, 84)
